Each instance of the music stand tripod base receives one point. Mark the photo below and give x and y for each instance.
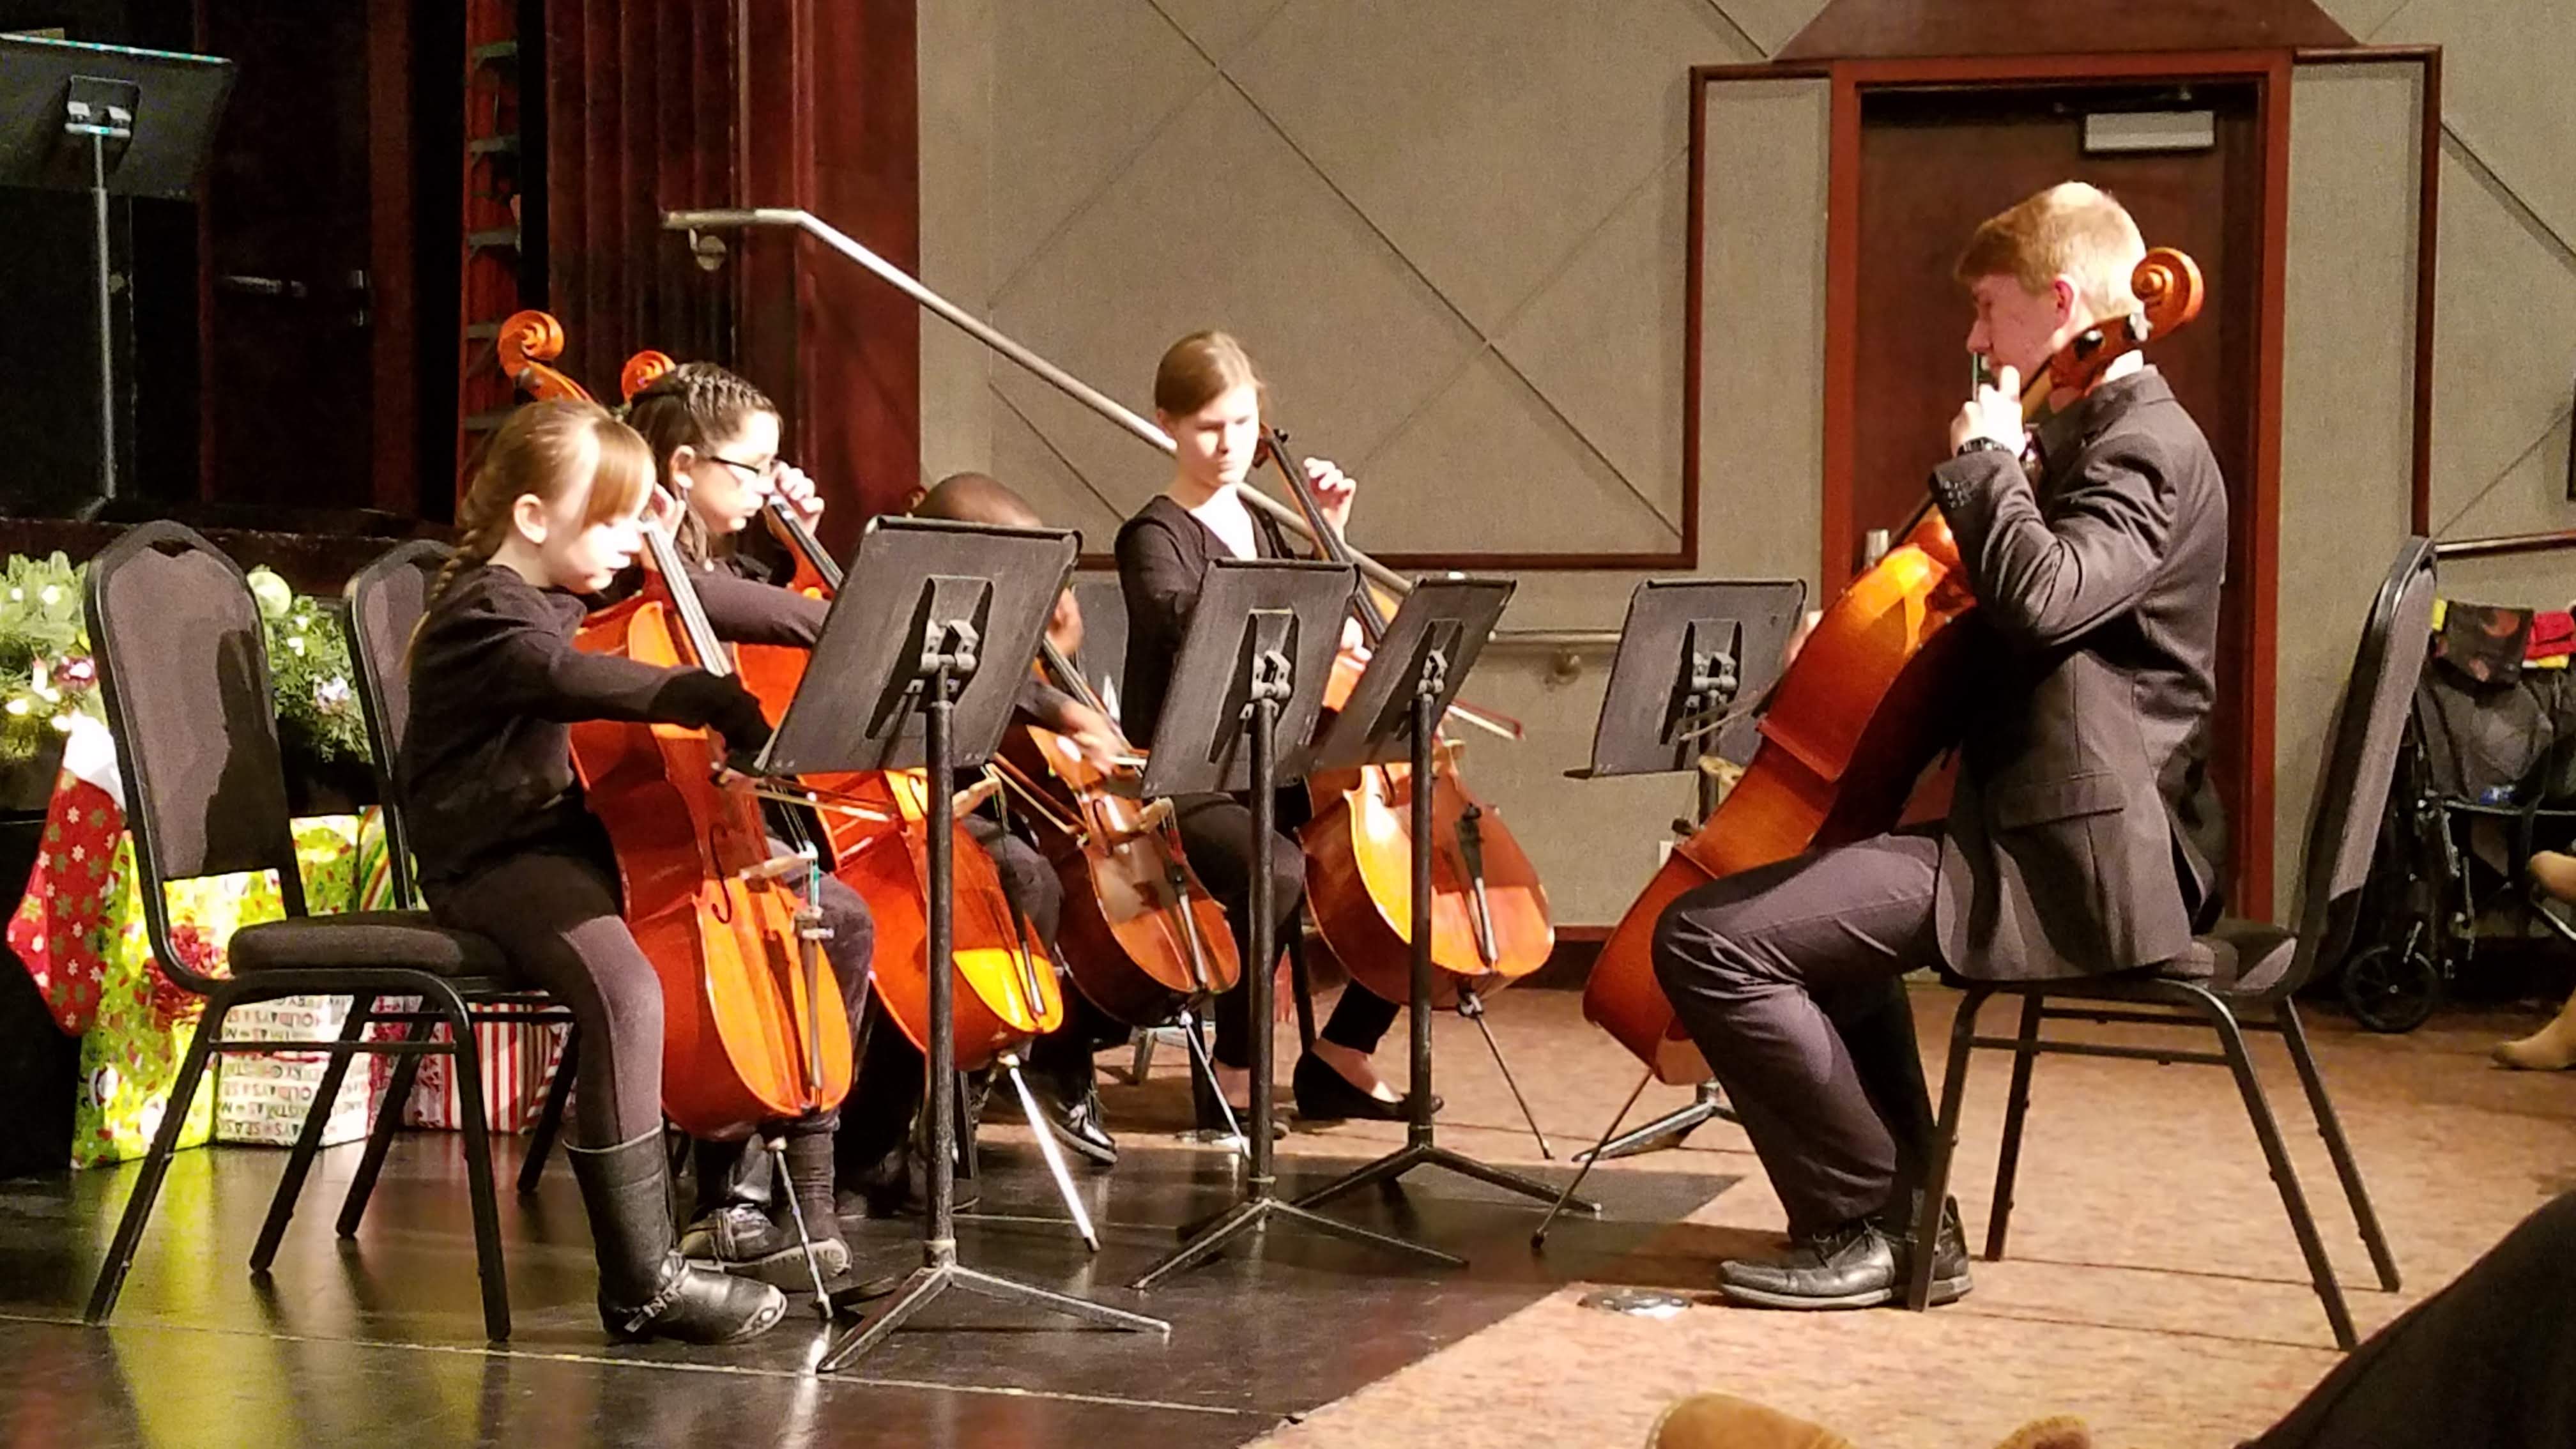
(1250, 672)
(1399, 701)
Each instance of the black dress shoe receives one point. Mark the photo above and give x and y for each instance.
(894, 1186)
(1325, 1095)
(1076, 1120)
(1853, 1266)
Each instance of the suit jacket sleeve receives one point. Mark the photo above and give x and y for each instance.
(2044, 577)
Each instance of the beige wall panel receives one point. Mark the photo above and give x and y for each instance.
(1771, 22)
(955, 75)
(1762, 318)
(2347, 395)
(1081, 87)
(1023, 461)
(2531, 497)
(1217, 27)
(1486, 138)
(1602, 341)
(1489, 467)
(1219, 223)
(2504, 351)
(2361, 17)
(2506, 90)
(2526, 581)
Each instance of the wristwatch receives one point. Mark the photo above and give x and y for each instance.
(1981, 445)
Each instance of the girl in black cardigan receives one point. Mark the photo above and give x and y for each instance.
(506, 847)
(1208, 397)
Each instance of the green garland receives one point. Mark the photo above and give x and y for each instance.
(45, 670)
(46, 675)
(310, 671)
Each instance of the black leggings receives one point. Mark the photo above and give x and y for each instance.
(556, 918)
(1216, 834)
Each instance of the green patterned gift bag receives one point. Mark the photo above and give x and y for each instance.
(130, 1055)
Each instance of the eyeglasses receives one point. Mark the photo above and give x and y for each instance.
(753, 471)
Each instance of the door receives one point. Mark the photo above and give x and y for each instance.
(1936, 161)
(289, 374)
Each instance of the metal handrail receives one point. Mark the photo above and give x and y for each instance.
(976, 327)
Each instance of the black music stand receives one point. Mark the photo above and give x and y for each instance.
(897, 682)
(111, 121)
(1696, 657)
(1393, 716)
(1251, 672)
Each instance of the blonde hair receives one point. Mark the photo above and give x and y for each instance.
(1199, 369)
(547, 449)
(695, 405)
(2070, 229)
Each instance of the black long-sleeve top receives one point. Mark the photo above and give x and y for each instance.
(485, 768)
(1163, 557)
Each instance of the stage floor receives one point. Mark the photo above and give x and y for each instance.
(2152, 1286)
(379, 1339)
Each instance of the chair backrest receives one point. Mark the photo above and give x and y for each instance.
(386, 600)
(2352, 789)
(183, 671)
(1103, 655)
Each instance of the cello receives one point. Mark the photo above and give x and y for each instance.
(749, 1034)
(1142, 935)
(1859, 713)
(875, 830)
(1489, 916)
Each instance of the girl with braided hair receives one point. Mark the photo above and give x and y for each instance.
(506, 847)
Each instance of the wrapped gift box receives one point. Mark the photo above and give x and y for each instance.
(263, 1099)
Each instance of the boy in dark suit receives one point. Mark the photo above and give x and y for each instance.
(2077, 842)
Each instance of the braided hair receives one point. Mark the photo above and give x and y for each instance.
(695, 405)
(545, 450)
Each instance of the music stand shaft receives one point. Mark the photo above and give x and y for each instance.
(1421, 1147)
(1259, 1203)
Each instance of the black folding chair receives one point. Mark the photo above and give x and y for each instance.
(183, 670)
(386, 601)
(2243, 975)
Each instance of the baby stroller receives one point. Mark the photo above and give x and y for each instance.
(2486, 776)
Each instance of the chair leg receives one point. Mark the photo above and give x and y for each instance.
(550, 1121)
(468, 1059)
(380, 1138)
(2329, 1126)
(308, 1139)
(156, 1163)
(2302, 1222)
(2016, 1108)
(1945, 1142)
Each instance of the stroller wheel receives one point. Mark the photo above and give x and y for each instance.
(2391, 988)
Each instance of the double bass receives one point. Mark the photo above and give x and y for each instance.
(751, 1032)
(1489, 916)
(875, 831)
(1859, 714)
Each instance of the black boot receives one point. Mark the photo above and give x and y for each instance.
(809, 1178)
(646, 1290)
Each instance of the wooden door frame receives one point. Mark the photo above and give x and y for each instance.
(2269, 71)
